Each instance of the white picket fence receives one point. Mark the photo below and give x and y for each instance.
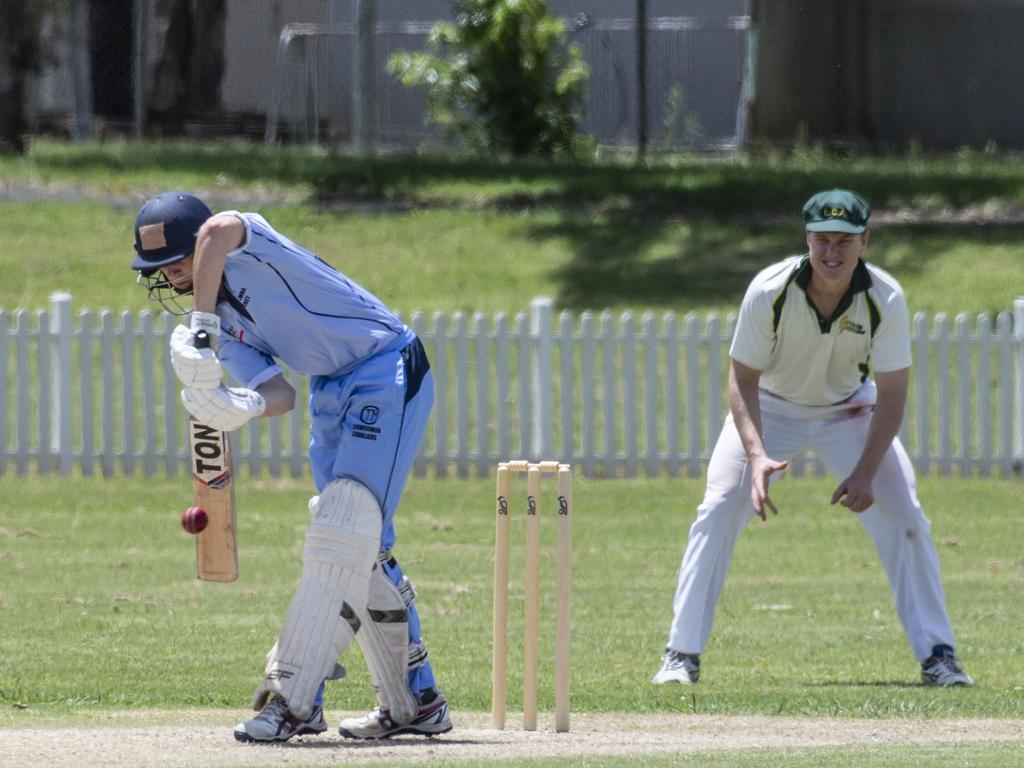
(617, 396)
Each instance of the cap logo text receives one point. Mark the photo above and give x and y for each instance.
(834, 212)
(151, 236)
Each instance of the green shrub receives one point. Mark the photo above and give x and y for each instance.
(502, 77)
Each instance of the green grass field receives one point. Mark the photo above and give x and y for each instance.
(99, 608)
(102, 570)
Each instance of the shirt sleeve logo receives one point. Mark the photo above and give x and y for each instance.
(371, 413)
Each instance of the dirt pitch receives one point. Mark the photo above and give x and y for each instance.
(183, 739)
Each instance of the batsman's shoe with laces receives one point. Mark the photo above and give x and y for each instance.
(276, 723)
(941, 668)
(677, 667)
(431, 720)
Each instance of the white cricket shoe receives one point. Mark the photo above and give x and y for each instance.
(941, 668)
(677, 667)
(276, 723)
(431, 720)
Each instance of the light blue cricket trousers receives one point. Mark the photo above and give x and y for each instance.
(367, 426)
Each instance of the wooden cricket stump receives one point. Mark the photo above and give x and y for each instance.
(531, 580)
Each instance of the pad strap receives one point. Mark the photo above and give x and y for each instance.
(384, 640)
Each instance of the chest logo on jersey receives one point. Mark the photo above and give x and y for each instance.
(846, 324)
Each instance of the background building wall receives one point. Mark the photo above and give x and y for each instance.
(944, 73)
(696, 56)
(866, 73)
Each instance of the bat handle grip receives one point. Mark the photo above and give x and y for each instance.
(202, 340)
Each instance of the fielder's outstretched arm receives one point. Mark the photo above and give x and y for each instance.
(746, 414)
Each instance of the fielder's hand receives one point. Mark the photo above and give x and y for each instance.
(854, 493)
(762, 468)
(196, 368)
(223, 408)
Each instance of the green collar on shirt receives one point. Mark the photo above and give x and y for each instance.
(860, 281)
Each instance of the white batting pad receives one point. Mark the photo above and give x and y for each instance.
(340, 552)
(384, 639)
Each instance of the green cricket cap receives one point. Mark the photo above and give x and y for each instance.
(836, 210)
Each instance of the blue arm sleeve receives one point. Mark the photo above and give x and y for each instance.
(247, 365)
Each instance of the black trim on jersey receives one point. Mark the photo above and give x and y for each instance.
(874, 314)
(860, 281)
(396, 331)
(394, 457)
(275, 242)
(780, 300)
(231, 299)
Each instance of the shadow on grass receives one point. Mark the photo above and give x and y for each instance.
(723, 184)
(625, 258)
(711, 262)
(730, 215)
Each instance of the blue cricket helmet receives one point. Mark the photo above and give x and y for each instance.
(166, 229)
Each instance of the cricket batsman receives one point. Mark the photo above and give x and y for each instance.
(811, 331)
(264, 300)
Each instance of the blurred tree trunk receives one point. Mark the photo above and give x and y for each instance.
(187, 55)
(110, 58)
(15, 63)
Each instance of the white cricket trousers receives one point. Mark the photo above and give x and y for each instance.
(896, 523)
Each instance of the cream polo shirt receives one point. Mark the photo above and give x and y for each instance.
(810, 360)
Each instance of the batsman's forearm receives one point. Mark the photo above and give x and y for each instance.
(278, 394)
(219, 236)
(208, 270)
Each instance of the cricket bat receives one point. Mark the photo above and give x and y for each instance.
(213, 489)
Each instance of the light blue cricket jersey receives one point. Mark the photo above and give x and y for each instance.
(281, 302)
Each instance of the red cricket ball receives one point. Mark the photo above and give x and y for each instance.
(194, 519)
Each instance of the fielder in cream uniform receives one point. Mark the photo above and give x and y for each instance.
(811, 331)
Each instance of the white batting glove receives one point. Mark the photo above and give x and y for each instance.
(205, 321)
(223, 408)
(196, 368)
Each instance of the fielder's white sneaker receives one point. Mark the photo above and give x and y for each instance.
(276, 723)
(432, 720)
(941, 668)
(678, 667)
